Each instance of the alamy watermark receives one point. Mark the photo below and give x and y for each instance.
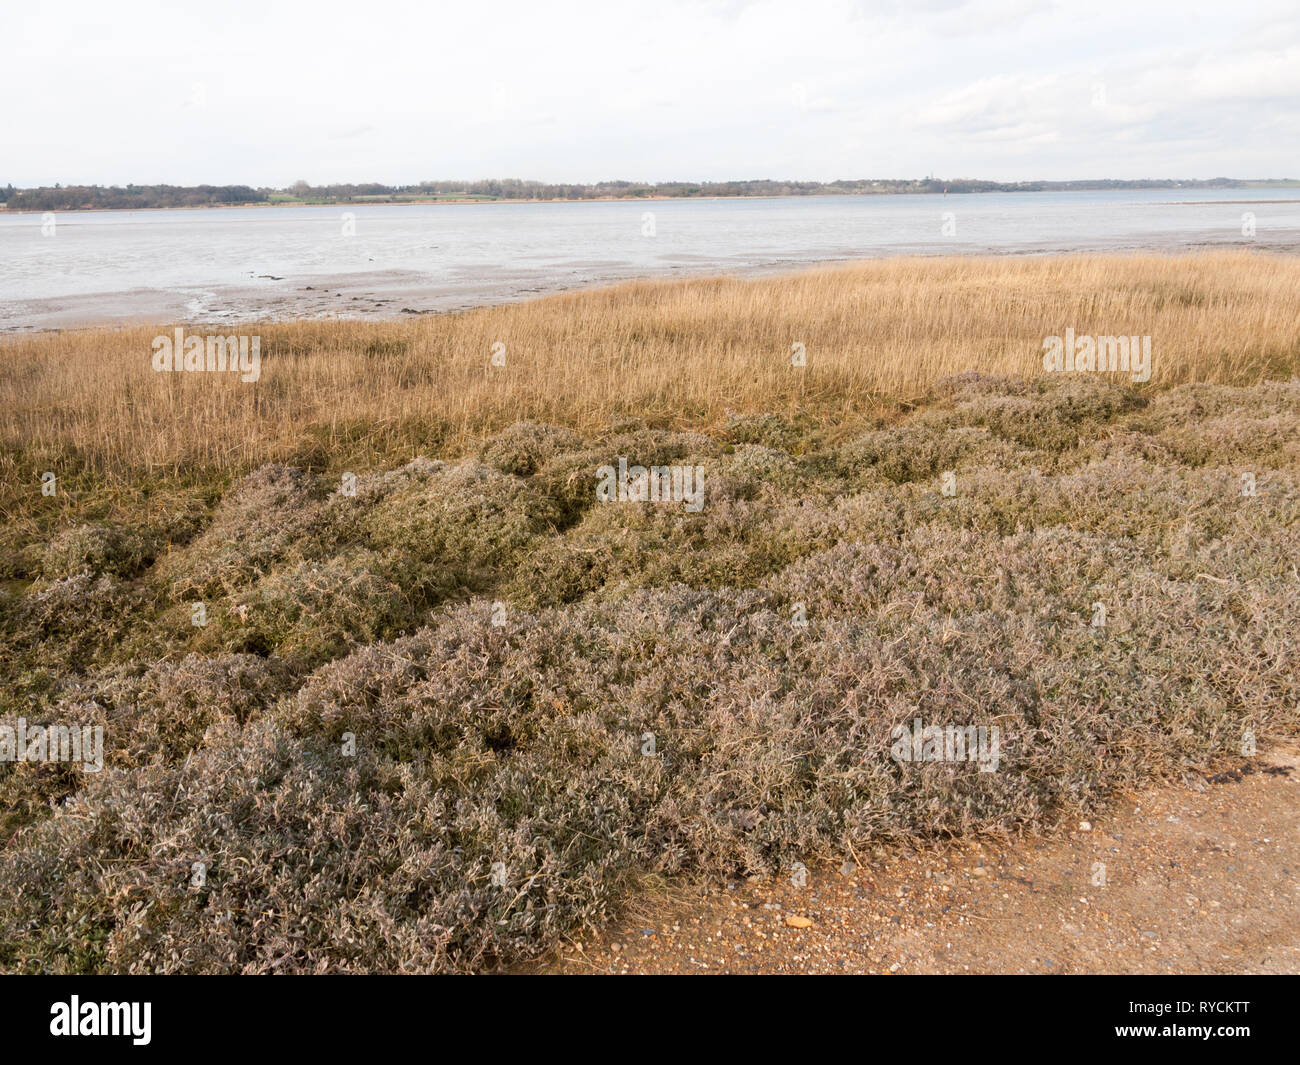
(78, 1018)
(656, 484)
(947, 743)
(241, 354)
(1098, 354)
(53, 743)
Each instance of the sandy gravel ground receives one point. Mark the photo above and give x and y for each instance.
(1192, 879)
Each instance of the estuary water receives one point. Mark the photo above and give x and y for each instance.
(369, 260)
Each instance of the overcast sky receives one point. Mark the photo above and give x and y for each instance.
(265, 93)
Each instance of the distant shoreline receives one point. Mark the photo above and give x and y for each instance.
(463, 202)
(708, 191)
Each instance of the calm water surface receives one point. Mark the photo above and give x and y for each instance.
(240, 263)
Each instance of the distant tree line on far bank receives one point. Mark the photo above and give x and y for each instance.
(114, 197)
(105, 198)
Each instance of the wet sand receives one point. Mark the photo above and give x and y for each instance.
(381, 295)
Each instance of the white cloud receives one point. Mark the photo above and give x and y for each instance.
(580, 91)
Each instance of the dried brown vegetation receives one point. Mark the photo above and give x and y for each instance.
(375, 615)
(673, 354)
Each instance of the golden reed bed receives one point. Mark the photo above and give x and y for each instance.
(675, 354)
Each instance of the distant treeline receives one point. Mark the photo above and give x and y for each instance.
(101, 198)
(514, 189)
(97, 197)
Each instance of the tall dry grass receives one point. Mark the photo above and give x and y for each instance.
(672, 353)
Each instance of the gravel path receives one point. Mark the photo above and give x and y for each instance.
(1200, 879)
